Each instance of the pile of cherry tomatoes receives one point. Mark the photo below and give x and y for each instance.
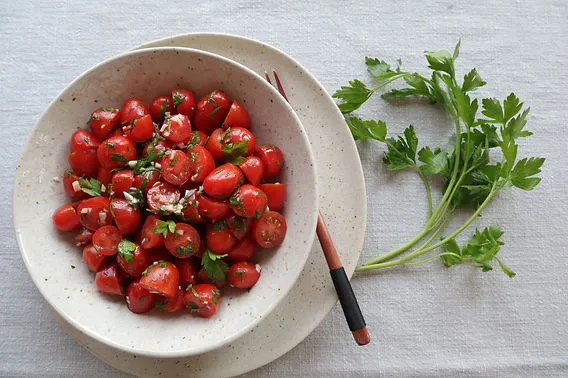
(171, 201)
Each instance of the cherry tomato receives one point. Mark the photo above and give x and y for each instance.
(237, 116)
(127, 218)
(160, 253)
(187, 269)
(184, 102)
(223, 181)
(272, 157)
(159, 107)
(162, 197)
(122, 181)
(105, 176)
(244, 250)
(276, 194)
(82, 140)
(248, 201)
(239, 226)
(253, 168)
(219, 238)
(132, 108)
(202, 300)
(212, 208)
(145, 180)
(201, 163)
(117, 132)
(138, 299)
(106, 239)
(190, 209)
(93, 258)
(197, 138)
(134, 263)
(176, 167)
(161, 278)
(151, 239)
(72, 186)
(227, 144)
(243, 274)
(95, 212)
(116, 151)
(139, 130)
(177, 128)
(84, 163)
(83, 237)
(103, 121)
(172, 304)
(269, 231)
(211, 111)
(160, 145)
(109, 280)
(184, 242)
(203, 277)
(65, 218)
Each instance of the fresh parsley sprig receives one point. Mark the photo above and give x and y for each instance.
(471, 177)
(214, 266)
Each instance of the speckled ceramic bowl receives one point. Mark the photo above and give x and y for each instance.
(55, 264)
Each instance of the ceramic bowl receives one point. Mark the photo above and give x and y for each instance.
(55, 264)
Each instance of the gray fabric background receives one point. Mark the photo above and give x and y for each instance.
(426, 320)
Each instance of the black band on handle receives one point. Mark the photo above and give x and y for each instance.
(347, 299)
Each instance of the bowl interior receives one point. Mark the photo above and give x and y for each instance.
(55, 264)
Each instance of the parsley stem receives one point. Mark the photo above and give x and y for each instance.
(428, 190)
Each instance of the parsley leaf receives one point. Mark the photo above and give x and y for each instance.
(353, 96)
(135, 197)
(435, 162)
(214, 266)
(126, 250)
(178, 99)
(401, 151)
(164, 227)
(220, 225)
(90, 186)
(472, 81)
(118, 157)
(521, 175)
(367, 129)
(234, 152)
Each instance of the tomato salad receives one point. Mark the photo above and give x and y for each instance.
(170, 202)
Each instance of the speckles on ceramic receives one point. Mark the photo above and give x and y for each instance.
(70, 291)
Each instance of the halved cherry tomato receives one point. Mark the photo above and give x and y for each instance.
(83, 237)
(162, 197)
(203, 277)
(175, 167)
(244, 250)
(135, 263)
(239, 226)
(172, 304)
(116, 151)
(109, 280)
(219, 238)
(145, 180)
(243, 275)
(95, 212)
(159, 146)
(253, 168)
(177, 128)
(222, 181)
(65, 218)
(117, 132)
(103, 121)
(106, 239)
(237, 116)
(184, 102)
(132, 108)
(122, 181)
(105, 176)
(269, 231)
(211, 111)
(140, 129)
(160, 106)
(202, 300)
(272, 157)
(230, 143)
(93, 258)
(151, 239)
(84, 163)
(126, 217)
(73, 190)
(184, 242)
(248, 201)
(190, 209)
(276, 194)
(138, 299)
(187, 269)
(161, 278)
(201, 163)
(160, 253)
(212, 208)
(82, 140)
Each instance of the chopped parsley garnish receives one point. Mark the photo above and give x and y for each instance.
(163, 264)
(174, 161)
(126, 250)
(118, 157)
(257, 214)
(185, 250)
(214, 266)
(221, 225)
(164, 226)
(178, 99)
(194, 156)
(164, 109)
(135, 196)
(234, 152)
(91, 186)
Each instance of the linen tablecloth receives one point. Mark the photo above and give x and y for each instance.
(424, 320)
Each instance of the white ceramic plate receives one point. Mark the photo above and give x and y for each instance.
(339, 170)
(55, 263)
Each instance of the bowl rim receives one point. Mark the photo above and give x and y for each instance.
(312, 222)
